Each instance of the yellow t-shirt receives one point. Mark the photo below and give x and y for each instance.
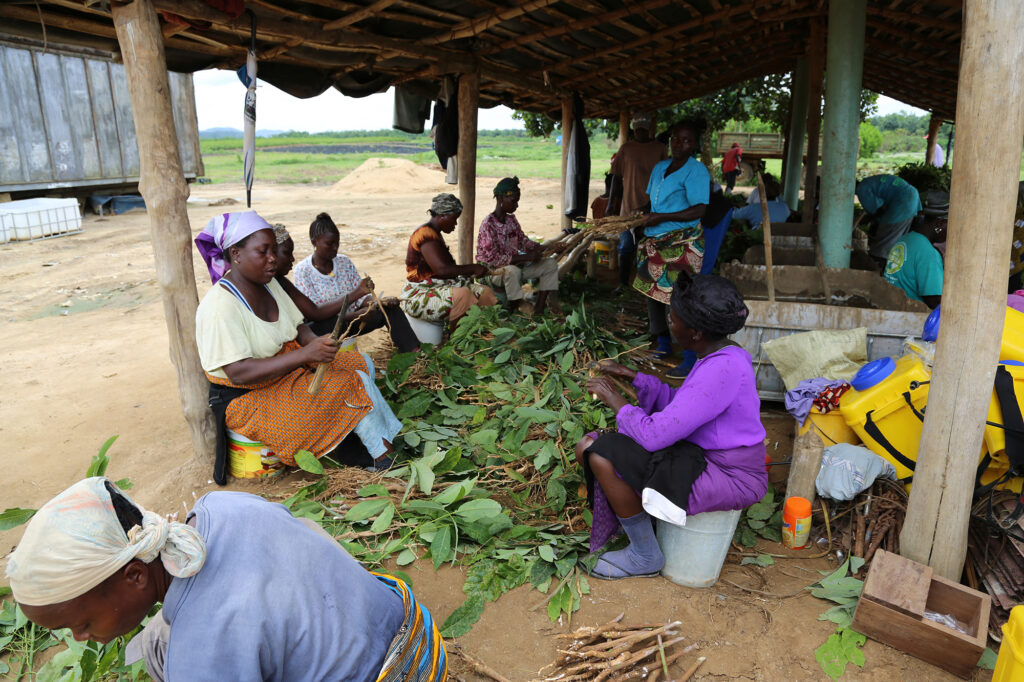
(227, 331)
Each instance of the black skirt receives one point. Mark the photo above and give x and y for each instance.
(671, 471)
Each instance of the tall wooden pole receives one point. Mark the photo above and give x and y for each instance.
(566, 135)
(933, 132)
(982, 201)
(816, 75)
(624, 128)
(469, 99)
(162, 184)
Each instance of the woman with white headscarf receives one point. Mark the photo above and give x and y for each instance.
(259, 357)
(249, 592)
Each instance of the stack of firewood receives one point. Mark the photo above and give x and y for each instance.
(614, 651)
(996, 557)
(569, 248)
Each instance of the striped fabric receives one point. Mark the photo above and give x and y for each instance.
(417, 652)
(283, 415)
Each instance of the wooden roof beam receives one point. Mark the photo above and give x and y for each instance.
(921, 20)
(660, 50)
(472, 27)
(674, 31)
(358, 15)
(582, 24)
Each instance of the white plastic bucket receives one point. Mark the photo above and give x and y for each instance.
(694, 553)
(426, 332)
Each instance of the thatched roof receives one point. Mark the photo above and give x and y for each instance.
(619, 54)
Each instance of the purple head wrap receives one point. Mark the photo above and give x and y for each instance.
(222, 232)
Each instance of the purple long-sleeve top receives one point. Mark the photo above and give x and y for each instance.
(717, 408)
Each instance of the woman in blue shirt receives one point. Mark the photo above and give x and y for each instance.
(673, 240)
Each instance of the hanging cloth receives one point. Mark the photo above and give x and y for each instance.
(411, 109)
(577, 172)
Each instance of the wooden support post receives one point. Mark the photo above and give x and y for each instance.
(469, 98)
(162, 184)
(933, 132)
(816, 60)
(983, 192)
(566, 222)
(624, 128)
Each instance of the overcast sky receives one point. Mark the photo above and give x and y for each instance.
(219, 96)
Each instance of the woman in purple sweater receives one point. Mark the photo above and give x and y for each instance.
(686, 450)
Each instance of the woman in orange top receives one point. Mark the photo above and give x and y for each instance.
(438, 289)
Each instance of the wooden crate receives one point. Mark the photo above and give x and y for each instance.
(896, 594)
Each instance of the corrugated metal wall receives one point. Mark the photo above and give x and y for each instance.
(66, 121)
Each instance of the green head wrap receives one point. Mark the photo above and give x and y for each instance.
(506, 186)
(446, 204)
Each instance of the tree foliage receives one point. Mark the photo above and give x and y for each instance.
(870, 140)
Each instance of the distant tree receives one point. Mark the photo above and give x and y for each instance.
(870, 140)
(537, 125)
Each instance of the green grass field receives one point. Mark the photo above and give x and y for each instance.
(497, 156)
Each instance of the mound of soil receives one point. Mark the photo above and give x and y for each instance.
(395, 176)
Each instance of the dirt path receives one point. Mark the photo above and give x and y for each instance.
(83, 346)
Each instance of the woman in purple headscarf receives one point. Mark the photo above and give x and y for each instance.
(679, 451)
(260, 358)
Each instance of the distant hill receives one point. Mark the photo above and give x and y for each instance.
(221, 133)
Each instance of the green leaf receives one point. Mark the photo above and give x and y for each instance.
(461, 619)
(503, 356)
(406, 557)
(484, 437)
(412, 439)
(383, 521)
(759, 560)
(14, 517)
(988, 659)
(842, 647)
(98, 465)
(367, 509)
(372, 490)
(536, 414)
(307, 461)
(547, 553)
(475, 510)
(566, 362)
(416, 405)
(441, 546)
(454, 493)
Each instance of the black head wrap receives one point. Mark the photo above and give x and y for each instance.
(506, 186)
(709, 303)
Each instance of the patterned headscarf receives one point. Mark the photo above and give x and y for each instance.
(709, 303)
(446, 204)
(281, 233)
(506, 186)
(75, 542)
(223, 232)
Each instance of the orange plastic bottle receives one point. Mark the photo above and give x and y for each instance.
(796, 522)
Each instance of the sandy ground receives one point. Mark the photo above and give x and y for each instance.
(83, 347)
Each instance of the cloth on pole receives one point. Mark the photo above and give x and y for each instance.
(248, 78)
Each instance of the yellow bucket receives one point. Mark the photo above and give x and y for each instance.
(249, 459)
(831, 428)
(1010, 664)
(604, 252)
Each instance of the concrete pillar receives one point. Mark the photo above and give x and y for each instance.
(798, 96)
(845, 68)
